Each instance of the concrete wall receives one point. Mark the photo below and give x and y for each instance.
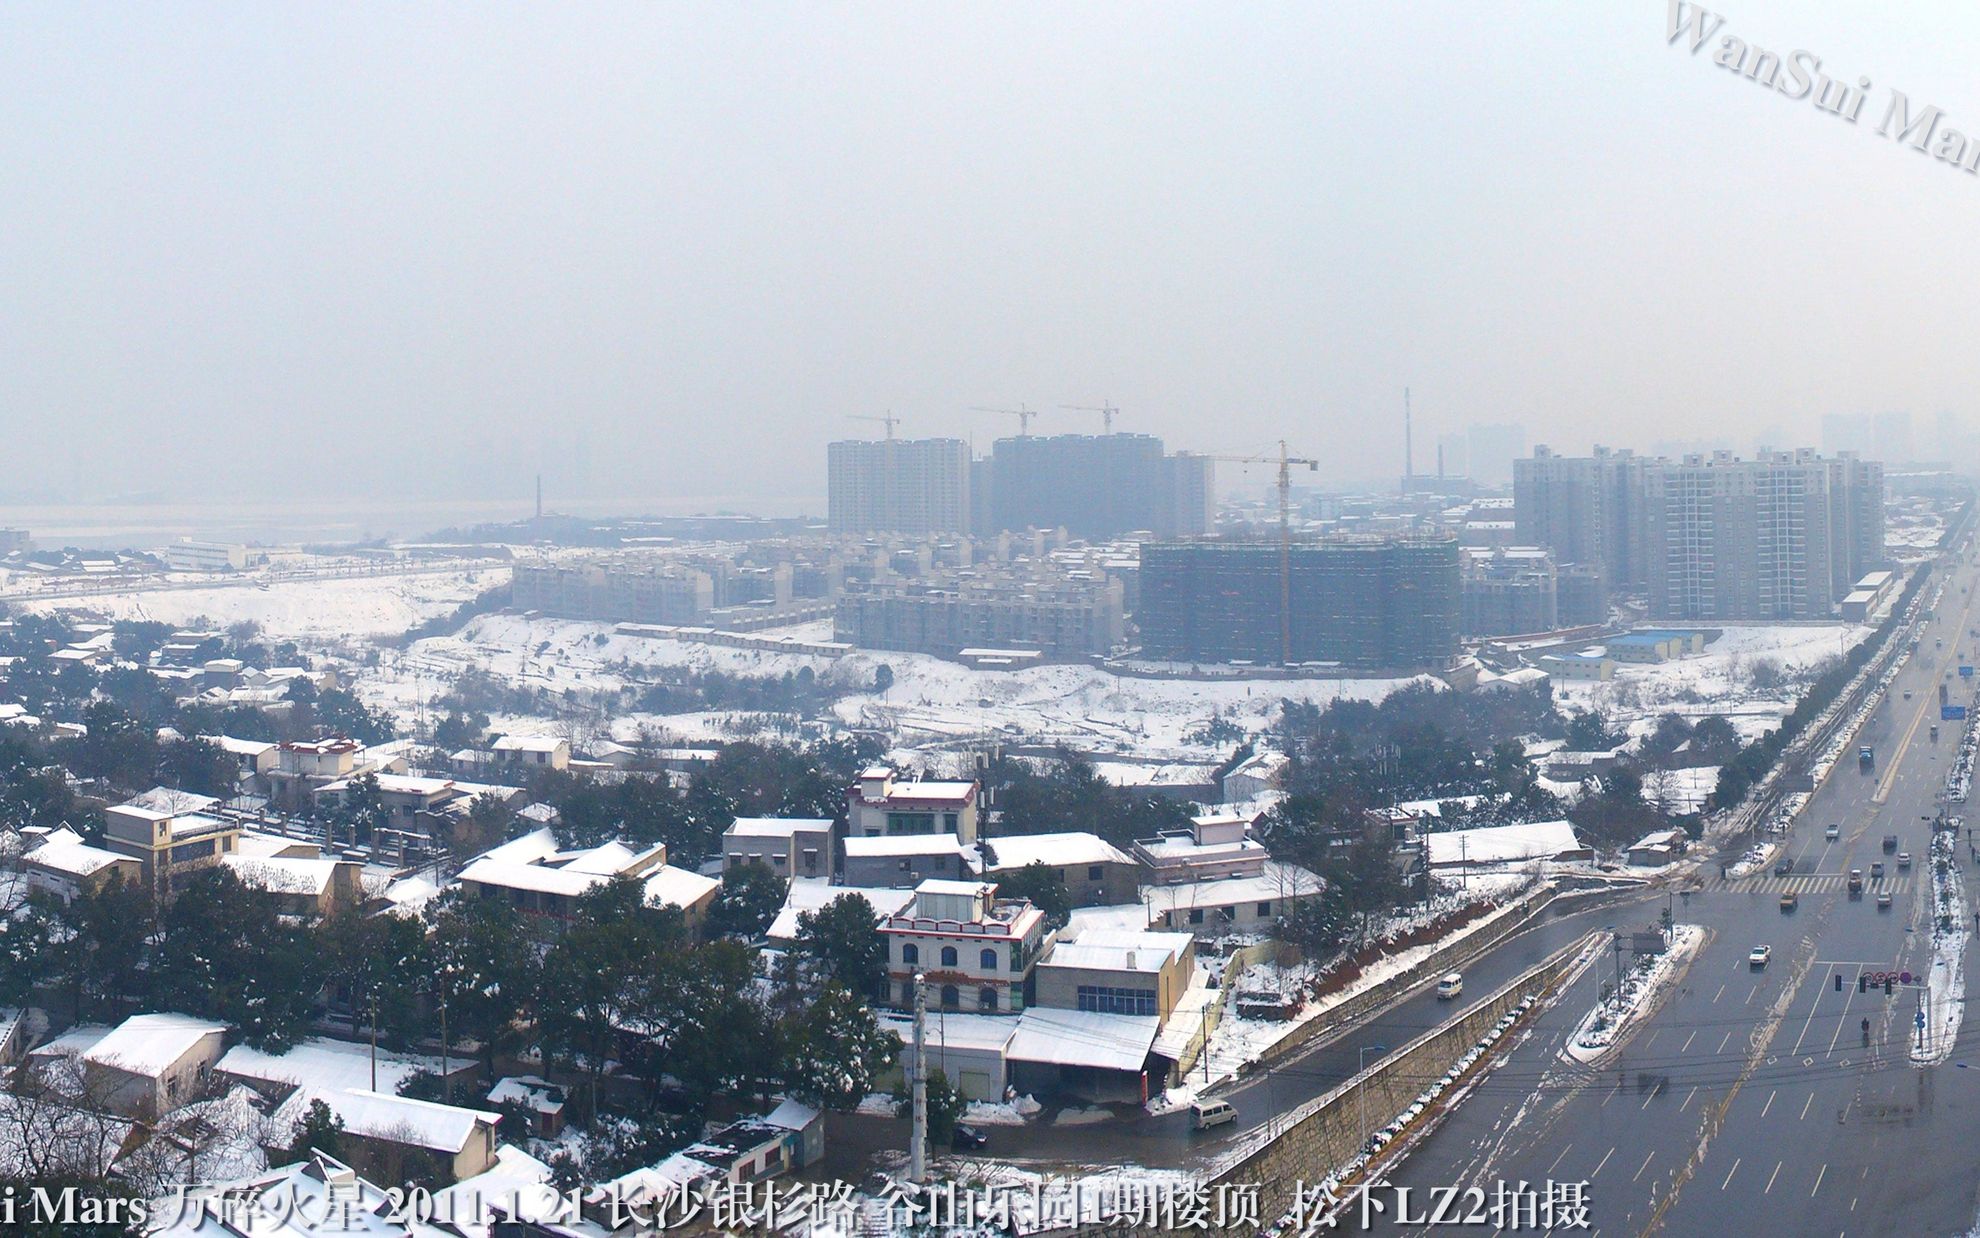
(1312, 1142)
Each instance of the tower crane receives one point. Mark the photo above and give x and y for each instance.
(1022, 412)
(1285, 461)
(890, 420)
(1106, 410)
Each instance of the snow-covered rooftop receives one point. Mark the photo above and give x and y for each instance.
(401, 1119)
(1503, 844)
(148, 1044)
(776, 827)
(1083, 1038)
(1065, 850)
(283, 874)
(1113, 950)
(669, 886)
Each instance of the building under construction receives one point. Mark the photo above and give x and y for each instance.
(1359, 601)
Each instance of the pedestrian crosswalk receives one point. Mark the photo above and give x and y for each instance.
(1810, 883)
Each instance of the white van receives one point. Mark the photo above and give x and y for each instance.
(1204, 1114)
(1450, 986)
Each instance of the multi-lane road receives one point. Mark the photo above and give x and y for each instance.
(1752, 1100)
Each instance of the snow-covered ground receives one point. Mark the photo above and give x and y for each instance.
(1720, 680)
(930, 699)
(1945, 980)
(384, 604)
(1605, 1024)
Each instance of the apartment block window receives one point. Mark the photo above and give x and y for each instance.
(1093, 872)
(1196, 915)
(1265, 908)
(1106, 999)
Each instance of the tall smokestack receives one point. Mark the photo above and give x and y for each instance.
(1409, 447)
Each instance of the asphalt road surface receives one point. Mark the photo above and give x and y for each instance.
(1751, 1101)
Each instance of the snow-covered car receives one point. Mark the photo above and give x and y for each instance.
(1759, 955)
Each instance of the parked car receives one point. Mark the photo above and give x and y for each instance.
(966, 1137)
(1759, 955)
(1204, 1114)
(1450, 986)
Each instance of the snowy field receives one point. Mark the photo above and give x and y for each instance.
(1720, 680)
(326, 610)
(930, 700)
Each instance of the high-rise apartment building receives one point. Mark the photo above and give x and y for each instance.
(1364, 602)
(1098, 486)
(1586, 510)
(1781, 536)
(898, 486)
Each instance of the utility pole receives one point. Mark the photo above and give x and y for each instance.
(918, 1138)
(446, 1073)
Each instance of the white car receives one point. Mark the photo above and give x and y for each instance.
(1759, 955)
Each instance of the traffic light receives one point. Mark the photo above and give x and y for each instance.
(1862, 982)
(1838, 982)
(1890, 984)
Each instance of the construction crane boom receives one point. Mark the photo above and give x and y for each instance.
(1285, 461)
(1106, 410)
(890, 420)
(1024, 414)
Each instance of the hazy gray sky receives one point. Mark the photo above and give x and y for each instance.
(665, 249)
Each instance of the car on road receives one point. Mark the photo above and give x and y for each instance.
(1204, 1114)
(1856, 883)
(1883, 900)
(1790, 901)
(1890, 843)
(1832, 833)
(1450, 986)
(1907, 694)
(1784, 867)
(1904, 859)
(966, 1137)
(1877, 870)
(1759, 955)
